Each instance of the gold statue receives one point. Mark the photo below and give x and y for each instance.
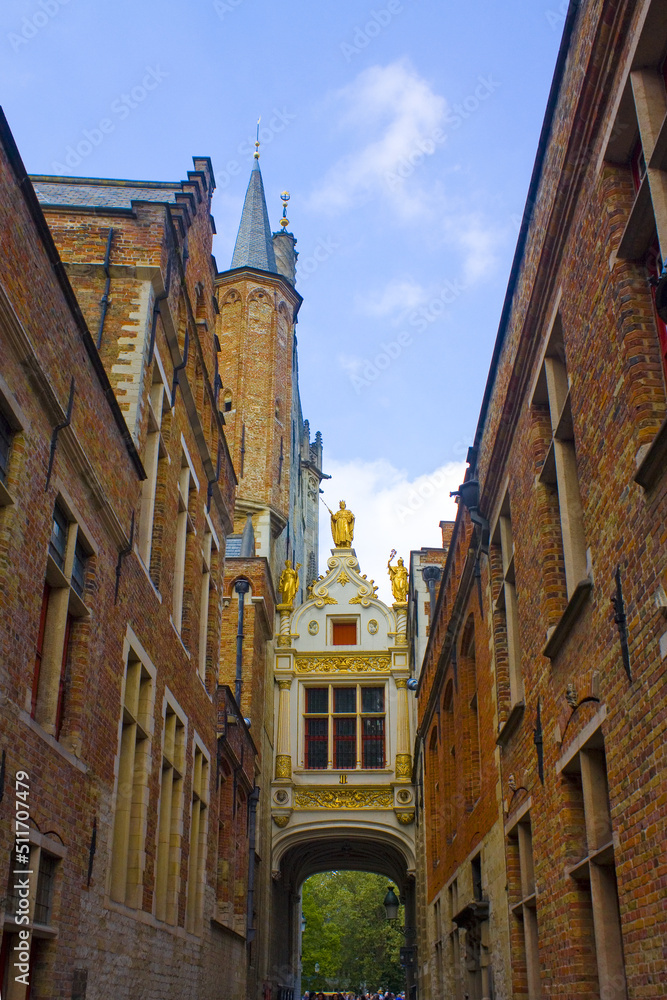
(342, 526)
(289, 582)
(399, 579)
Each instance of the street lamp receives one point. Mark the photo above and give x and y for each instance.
(391, 904)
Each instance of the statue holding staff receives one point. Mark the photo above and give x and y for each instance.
(342, 526)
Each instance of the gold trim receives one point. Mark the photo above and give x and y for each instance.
(403, 766)
(401, 683)
(343, 798)
(336, 663)
(283, 766)
(405, 817)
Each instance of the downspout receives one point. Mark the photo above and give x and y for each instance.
(241, 587)
(104, 301)
(252, 832)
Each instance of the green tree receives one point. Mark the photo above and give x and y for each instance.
(348, 935)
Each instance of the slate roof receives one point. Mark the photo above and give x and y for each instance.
(99, 193)
(254, 245)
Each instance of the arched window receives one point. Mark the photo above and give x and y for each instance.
(434, 824)
(470, 728)
(449, 763)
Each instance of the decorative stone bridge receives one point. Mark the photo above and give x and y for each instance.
(342, 796)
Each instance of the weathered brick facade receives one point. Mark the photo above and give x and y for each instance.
(111, 702)
(570, 462)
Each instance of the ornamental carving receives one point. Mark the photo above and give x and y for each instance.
(372, 626)
(313, 627)
(403, 766)
(335, 663)
(281, 821)
(344, 798)
(343, 578)
(283, 766)
(405, 817)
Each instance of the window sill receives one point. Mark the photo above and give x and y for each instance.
(26, 718)
(147, 574)
(178, 636)
(653, 464)
(511, 724)
(568, 618)
(640, 226)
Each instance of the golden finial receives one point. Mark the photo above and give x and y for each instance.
(284, 222)
(257, 140)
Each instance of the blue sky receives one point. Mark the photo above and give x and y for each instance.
(405, 131)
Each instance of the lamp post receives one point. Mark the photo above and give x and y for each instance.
(391, 904)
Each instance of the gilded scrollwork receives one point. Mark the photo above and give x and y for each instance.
(337, 663)
(343, 798)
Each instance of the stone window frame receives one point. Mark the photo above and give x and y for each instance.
(330, 715)
(641, 102)
(61, 608)
(594, 872)
(17, 425)
(133, 768)
(169, 832)
(155, 451)
(198, 841)
(40, 845)
(188, 489)
(519, 846)
(506, 606)
(210, 553)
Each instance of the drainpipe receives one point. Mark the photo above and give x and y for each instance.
(241, 587)
(252, 828)
(104, 301)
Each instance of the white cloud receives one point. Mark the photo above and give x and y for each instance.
(479, 243)
(392, 511)
(399, 104)
(397, 297)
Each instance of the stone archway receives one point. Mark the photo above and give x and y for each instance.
(329, 848)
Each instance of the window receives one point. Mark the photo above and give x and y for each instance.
(187, 485)
(521, 884)
(433, 784)
(472, 763)
(42, 870)
(593, 876)
(506, 613)
(344, 633)
(62, 604)
(155, 452)
(6, 435)
(344, 727)
(639, 148)
(170, 821)
(207, 596)
(198, 835)
(134, 760)
(560, 466)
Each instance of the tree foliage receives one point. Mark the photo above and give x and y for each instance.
(348, 935)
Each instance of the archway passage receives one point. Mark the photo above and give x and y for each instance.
(307, 853)
(348, 944)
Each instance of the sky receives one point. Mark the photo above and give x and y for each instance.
(405, 132)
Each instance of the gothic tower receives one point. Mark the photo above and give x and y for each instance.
(278, 469)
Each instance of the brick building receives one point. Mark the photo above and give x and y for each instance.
(562, 520)
(118, 494)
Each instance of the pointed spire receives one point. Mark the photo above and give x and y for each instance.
(254, 245)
